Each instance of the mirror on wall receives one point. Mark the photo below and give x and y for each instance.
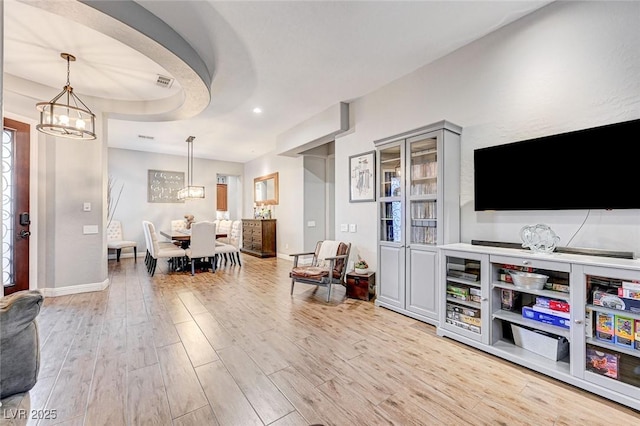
(265, 189)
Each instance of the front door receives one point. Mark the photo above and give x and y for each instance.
(15, 206)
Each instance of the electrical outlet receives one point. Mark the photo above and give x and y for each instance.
(344, 227)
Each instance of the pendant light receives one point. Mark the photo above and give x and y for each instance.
(66, 116)
(190, 191)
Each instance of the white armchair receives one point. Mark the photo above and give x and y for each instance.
(116, 242)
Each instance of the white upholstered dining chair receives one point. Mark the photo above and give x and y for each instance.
(115, 240)
(203, 244)
(157, 251)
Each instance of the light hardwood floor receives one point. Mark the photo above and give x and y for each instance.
(234, 348)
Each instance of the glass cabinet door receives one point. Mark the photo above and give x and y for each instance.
(390, 172)
(391, 221)
(422, 189)
(391, 186)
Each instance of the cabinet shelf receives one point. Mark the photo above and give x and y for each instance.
(530, 359)
(545, 293)
(390, 160)
(423, 197)
(468, 303)
(463, 281)
(425, 152)
(635, 315)
(516, 318)
(613, 347)
(424, 222)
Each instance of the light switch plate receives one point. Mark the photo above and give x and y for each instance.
(353, 227)
(311, 223)
(344, 227)
(86, 207)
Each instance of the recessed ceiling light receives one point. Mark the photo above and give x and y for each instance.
(257, 110)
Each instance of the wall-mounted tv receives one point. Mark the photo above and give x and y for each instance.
(597, 168)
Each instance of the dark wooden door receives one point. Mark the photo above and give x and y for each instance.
(15, 206)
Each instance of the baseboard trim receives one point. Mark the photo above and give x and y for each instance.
(284, 256)
(74, 289)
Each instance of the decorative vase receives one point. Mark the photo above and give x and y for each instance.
(361, 270)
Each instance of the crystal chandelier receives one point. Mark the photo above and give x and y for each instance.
(66, 116)
(190, 191)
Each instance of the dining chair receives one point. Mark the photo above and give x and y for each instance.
(235, 238)
(148, 243)
(203, 244)
(157, 251)
(178, 225)
(224, 227)
(116, 242)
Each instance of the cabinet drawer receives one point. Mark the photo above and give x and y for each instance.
(534, 263)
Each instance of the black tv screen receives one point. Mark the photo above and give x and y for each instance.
(595, 168)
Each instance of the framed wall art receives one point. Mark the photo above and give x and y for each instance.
(163, 186)
(362, 177)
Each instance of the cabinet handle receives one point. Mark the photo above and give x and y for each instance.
(484, 299)
(578, 321)
(526, 262)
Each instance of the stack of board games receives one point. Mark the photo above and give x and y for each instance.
(464, 317)
(548, 311)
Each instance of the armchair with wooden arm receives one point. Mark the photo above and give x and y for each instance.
(328, 265)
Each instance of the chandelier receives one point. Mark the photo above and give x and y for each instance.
(66, 116)
(190, 191)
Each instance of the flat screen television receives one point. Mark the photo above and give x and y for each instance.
(597, 168)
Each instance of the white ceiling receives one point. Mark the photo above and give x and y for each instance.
(293, 59)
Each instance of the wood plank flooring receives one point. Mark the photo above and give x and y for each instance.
(234, 348)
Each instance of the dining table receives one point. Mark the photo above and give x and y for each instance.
(184, 236)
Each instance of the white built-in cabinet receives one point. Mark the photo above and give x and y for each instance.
(418, 176)
(477, 309)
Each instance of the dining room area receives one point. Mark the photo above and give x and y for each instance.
(189, 245)
(144, 188)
